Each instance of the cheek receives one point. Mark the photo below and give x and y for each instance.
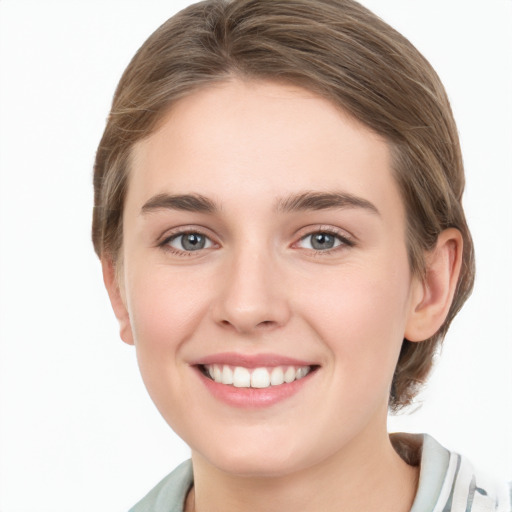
(165, 309)
(361, 314)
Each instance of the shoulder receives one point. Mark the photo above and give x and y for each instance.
(450, 480)
(169, 494)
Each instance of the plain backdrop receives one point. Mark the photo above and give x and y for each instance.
(77, 429)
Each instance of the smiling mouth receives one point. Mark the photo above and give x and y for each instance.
(259, 378)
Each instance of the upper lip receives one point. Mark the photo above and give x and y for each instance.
(249, 360)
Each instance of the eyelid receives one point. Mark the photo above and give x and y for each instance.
(347, 239)
(171, 234)
(172, 239)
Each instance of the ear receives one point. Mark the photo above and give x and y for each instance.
(117, 300)
(432, 297)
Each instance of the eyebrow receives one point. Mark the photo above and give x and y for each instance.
(183, 202)
(312, 200)
(303, 201)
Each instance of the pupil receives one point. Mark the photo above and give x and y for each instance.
(193, 242)
(322, 241)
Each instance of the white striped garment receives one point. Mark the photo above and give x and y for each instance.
(465, 490)
(448, 481)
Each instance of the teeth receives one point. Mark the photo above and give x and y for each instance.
(289, 374)
(241, 377)
(260, 378)
(301, 372)
(227, 375)
(277, 376)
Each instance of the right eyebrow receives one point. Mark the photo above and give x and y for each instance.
(183, 202)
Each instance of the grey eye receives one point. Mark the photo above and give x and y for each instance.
(320, 241)
(190, 242)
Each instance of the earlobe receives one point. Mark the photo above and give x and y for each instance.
(432, 297)
(116, 299)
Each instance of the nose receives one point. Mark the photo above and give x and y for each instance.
(252, 297)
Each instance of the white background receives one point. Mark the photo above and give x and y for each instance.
(77, 430)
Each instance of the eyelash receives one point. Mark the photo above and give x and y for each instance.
(343, 242)
(165, 244)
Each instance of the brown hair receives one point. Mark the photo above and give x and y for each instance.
(334, 48)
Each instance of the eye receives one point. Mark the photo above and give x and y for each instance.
(322, 241)
(189, 242)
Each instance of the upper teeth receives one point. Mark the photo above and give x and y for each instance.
(242, 377)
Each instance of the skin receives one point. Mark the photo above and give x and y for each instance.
(258, 286)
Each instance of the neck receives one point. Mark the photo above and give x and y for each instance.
(365, 476)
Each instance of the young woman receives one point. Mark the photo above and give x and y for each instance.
(278, 215)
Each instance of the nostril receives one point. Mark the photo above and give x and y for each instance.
(263, 325)
(266, 323)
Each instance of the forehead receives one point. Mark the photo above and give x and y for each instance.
(257, 141)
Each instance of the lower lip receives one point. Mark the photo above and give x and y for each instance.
(253, 397)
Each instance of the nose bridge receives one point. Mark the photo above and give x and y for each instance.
(251, 297)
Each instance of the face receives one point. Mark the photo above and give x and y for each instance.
(265, 277)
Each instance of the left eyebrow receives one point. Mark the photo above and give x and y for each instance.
(312, 200)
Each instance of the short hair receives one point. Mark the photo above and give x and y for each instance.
(338, 50)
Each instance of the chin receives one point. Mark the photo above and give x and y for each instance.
(242, 467)
(252, 460)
